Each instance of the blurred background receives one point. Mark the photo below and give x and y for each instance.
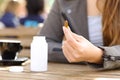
(3, 3)
(27, 13)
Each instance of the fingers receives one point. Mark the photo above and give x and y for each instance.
(69, 38)
(71, 46)
(71, 54)
(68, 52)
(67, 33)
(77, 37)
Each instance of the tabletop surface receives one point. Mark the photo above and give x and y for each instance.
(60, 71)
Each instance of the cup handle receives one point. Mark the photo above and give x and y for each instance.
(21, 47)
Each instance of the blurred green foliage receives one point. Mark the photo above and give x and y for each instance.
(1, 1)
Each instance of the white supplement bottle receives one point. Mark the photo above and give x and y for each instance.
(39, 54)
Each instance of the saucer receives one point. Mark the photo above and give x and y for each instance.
(16, 62)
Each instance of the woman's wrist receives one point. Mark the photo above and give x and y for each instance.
(97, 58)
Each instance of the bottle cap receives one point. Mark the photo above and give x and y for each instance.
(16, 69)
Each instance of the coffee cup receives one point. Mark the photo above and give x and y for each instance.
(9, 49)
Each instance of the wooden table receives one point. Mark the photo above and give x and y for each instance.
(59, 71)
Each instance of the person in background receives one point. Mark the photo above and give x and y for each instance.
(94, 37)
(34, 9)
(10, 18)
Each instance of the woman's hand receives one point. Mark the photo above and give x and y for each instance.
(76, 48)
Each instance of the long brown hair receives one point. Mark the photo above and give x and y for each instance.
(111, 22)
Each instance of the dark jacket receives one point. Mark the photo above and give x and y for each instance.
(31, 20)
(76, 10)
